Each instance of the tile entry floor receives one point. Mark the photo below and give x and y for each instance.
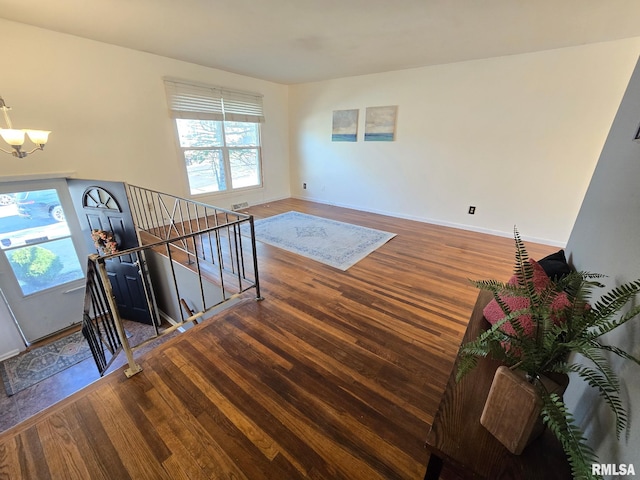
(38, 397)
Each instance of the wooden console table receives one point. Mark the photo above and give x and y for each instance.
(458, 440)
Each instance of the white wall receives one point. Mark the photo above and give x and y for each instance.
(107, 110)
(106, 107)
(10, 340)
(517, 136)
(167, 274)
(605, 240)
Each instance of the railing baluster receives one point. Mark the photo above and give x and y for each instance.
(181, 225)
(255, 258)
(173, 275)
(97, 322)
(110, 298)
(162, 208)
(145, 205)
(206, 226)
(136, 212)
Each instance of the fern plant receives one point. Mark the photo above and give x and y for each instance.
(545, 345)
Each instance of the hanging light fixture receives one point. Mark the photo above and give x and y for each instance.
(15, 138)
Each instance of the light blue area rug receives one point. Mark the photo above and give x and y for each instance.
(338, 244)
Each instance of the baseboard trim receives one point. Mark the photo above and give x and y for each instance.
(169, 319)
(8, 355)
(459, 226)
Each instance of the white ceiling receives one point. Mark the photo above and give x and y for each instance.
(297, 41)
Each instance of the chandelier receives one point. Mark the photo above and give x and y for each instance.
(15, 138)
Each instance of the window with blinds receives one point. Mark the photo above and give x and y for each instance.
(218, 131)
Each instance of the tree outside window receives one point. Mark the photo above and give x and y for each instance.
(220, 155)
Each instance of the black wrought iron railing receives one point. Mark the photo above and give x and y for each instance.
(98, 324)
(192, 259)
(204, 233)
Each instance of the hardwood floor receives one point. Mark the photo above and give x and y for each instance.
(36, 398)
(334, 375)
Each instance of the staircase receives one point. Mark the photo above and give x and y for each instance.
(192, 258)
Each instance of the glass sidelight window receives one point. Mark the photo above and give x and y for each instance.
(36, 240)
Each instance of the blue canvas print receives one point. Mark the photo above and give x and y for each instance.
(380, 124)
(345, 126)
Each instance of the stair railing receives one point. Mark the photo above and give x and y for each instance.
(217, 245)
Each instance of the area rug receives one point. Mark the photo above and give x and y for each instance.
(29, 368)
(338, 244)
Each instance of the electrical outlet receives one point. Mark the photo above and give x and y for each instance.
(472, 210)
(304, 186)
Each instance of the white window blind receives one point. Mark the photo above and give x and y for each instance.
(202, 102)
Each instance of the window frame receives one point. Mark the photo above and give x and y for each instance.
(209, 106)
(225, 150)
(74, 235)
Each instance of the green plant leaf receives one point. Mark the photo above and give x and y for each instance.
(556, 416)
(603, 327)
(608, 392)
(619, 352)
(610, 304)
(557, 333)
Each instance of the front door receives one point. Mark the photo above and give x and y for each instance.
(104, 206)
(41, 271)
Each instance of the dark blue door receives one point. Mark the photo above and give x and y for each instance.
(104, 206)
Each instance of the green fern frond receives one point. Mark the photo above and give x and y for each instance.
(603, 327)
(504, 306)
(556, 416)
(560, 367)
(579, 286)
(610, 394)
(523, 268)
(466, 363)
(487, 344)
(556, 334)
(522, 257)
(612, 302)
(618, 351)
(490, 285)
(592, 351)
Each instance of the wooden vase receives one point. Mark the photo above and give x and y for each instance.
(512, 409)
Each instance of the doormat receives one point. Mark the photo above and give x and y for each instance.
(29, 368)
(338, 244)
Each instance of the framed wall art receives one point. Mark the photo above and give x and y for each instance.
(380, 125)
(345, 126)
